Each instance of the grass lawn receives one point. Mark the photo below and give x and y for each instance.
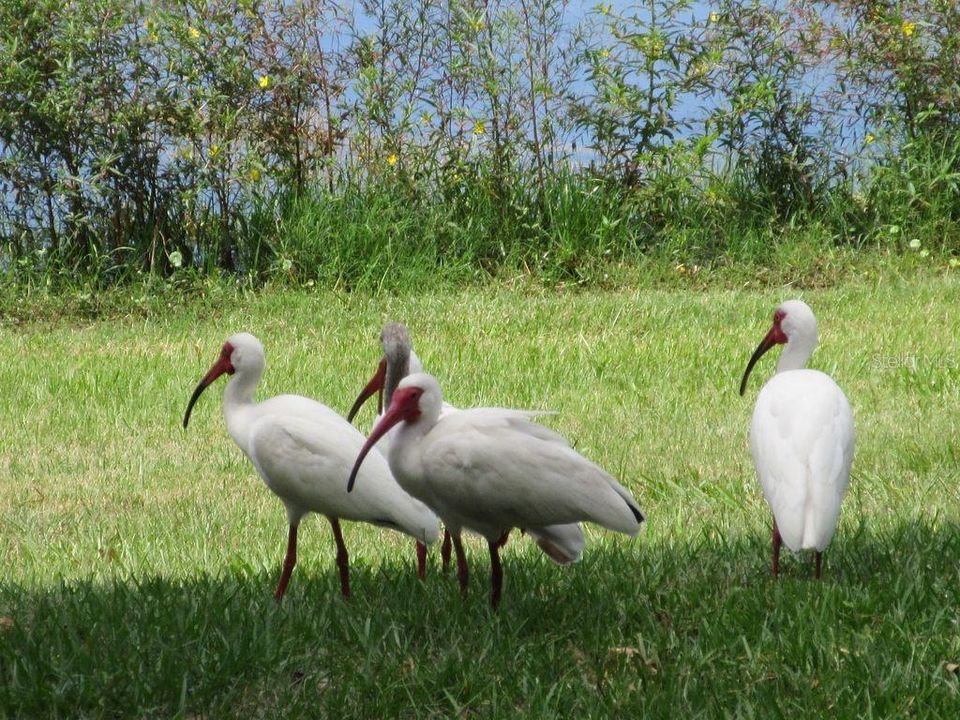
(139, 561)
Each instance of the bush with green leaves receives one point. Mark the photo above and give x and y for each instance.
(318, 140)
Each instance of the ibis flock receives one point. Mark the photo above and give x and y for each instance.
(491, 471)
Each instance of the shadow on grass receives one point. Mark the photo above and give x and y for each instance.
(682, 628)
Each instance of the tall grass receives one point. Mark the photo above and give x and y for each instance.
(431, 142)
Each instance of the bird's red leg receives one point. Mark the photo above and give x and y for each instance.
(496, 572)
(445, 551)
(777, 542)
(462, 572)
(421, 561)
(819, 561)
(343, 560)
(288, 563)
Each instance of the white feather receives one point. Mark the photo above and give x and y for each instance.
(491, 469)
(303, 450)
(802, 441)
(561, 543)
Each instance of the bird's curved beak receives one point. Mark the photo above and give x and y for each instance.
(374, 386)
(402, 407)
(221, 366)
(774, 337)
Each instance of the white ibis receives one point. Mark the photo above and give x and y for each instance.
(801, 438)
(303, 450)
(561, 543)
(490, 470)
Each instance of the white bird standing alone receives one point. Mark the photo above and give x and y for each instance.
(801, 438)
(490, 470)
(561, 543)
(303, 450)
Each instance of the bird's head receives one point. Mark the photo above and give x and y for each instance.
(396, 343)
(241, 353)
(397, 349)
(418, 398)
(793, 322)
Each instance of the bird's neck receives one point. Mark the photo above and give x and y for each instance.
(397, 370)
(413, 432)
(237, 403)
(796, 353)
(239, 391)
(404, 453)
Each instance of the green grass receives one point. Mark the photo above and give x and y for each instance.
(139, 560)
(803, 261)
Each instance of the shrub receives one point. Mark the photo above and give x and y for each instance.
(296, 141)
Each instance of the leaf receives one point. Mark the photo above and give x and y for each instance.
(6, 622)
(952, 667)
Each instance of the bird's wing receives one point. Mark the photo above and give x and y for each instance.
(447, 409)
(801, 438)
(780, 471)
(306, 460)
(830, 459)
(303, 407)
(500, 418)
(496, 466)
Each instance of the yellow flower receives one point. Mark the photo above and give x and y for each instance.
(264, 82)
(255, 174)
(214, 150)
(908, 28)
(426, 118)
(392, 159)
(479, 128)
(869, 138)
(714, 17)
(193, 32)
(604, 53)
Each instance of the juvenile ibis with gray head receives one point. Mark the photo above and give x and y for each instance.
(801, 438)
(303, 450)
(561, 543)
(489, 470)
